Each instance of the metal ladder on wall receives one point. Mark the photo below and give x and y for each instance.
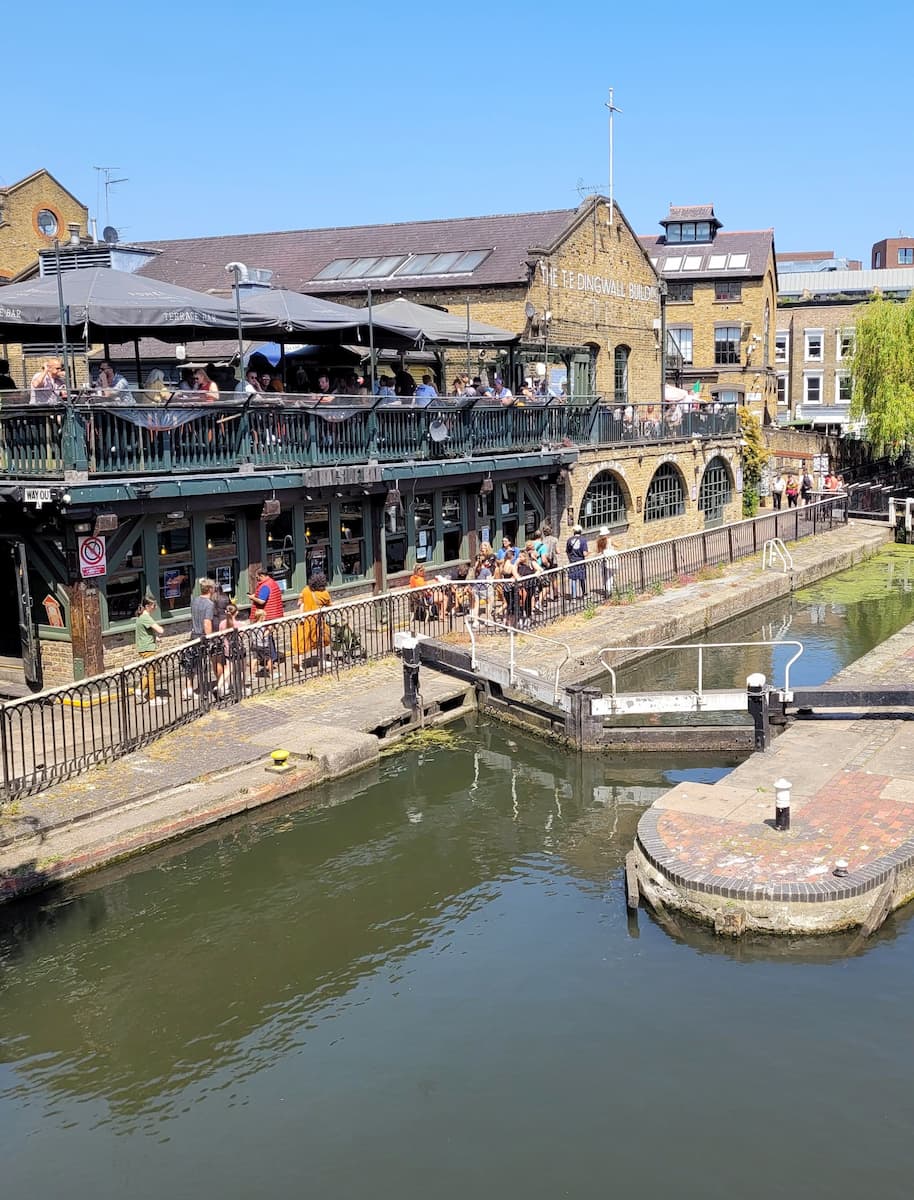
(773, 550)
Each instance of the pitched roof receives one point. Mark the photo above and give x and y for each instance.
(738, 254)
(296, 256)
(12, 187)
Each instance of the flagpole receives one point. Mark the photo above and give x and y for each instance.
(612, 111)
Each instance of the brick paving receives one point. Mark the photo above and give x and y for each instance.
(852, 798)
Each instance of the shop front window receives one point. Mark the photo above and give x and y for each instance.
(125, 587)
(424, 520)
(508, 510)
(281, 549)
(452, 524)
(395, 537)
(317, 541)
(485, 513)
(352, 541)
(176, 565)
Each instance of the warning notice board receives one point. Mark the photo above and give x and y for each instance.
(93, 559)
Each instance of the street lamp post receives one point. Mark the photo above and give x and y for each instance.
(240, 273)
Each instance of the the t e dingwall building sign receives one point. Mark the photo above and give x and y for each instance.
(596, 285)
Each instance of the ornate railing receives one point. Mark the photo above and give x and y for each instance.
(58, 733)
(104, 439)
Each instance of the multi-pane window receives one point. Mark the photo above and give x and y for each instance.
(715, 491)
(726, 344)
(620, 374)
(814, 340)
(844, 387)
(781, 346)
(665, 496)
(783, 390)
(905, 256)
(844, 344)
(682, 339)
(679, 290)
(603, 503)
(688, 231)
(728, 289)
(812, 387)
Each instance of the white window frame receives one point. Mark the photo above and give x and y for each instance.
(783, 378)
(676, 330)
(808, 376)
(785, 335)
(839, 333)
(841, 376)
(807, 335)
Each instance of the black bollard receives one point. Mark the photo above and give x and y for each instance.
(782, 804)
(757, 701)
(408, 649)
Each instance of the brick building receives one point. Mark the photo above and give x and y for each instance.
(575, 285)
(33, 212)
(814, 339)
(892, 253)
(721, 294)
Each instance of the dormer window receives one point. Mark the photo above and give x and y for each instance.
(688, 231)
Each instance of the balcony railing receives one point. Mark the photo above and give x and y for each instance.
(105, 439)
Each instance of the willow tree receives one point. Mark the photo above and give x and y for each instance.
(882, 371)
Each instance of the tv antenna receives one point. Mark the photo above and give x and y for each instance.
(588, 189)
(109, 182)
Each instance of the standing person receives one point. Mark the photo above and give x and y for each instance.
(792, 490)
(263, 648)
(508, 551)
(510, 590)
(268, 591)
(146, 635)
(576, 550)
(606, 552)
(777, 490)
(806, 485)
(202, 613)
(404, 384)
(6, 380)
(426, 390)
(549, 558)
(311, 634)
(48, 385)
(526, 570)
(231, 648)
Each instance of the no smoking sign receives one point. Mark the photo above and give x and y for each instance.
(93, 559)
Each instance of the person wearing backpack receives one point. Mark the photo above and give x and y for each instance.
(806, 486)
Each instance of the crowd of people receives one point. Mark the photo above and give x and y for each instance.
(798, 487)
(514, 585)
(209, 662)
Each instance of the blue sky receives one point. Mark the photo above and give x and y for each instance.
(284, 116)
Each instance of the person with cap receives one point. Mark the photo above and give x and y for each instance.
(501, 393)
(606, 552)
(576, 551)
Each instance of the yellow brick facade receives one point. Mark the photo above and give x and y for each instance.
(21, 236)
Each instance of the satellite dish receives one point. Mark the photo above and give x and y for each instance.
(530, 311)
(110, 235)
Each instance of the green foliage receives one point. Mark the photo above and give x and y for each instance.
(882, 372)
(754, 455)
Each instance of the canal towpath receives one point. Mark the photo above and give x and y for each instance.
(215, 767)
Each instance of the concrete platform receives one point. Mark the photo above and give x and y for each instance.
(712, 851)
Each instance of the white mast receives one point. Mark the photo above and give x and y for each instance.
(612, 111)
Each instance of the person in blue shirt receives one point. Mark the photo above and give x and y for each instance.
(426, 391)
(507, 551)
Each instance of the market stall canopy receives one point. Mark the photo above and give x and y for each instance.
(436, 327)
(101, 304)
(297, 313)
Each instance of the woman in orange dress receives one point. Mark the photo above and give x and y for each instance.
(311, 633)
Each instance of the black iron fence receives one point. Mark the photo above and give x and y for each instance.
(61, 732)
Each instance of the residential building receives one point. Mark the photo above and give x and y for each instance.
(720, 298)
(814, 339)
(892, 253)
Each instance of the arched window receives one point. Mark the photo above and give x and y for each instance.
(715, 492)
(620, 374)
(603, 503)
(665, 497)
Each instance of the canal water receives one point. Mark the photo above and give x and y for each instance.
(425, 983)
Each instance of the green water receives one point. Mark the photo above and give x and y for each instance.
(424, 982)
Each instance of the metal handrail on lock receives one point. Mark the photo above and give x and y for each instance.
(783, 693)
(472, 625)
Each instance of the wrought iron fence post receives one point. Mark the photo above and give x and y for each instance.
(4, 751)
(123, 716)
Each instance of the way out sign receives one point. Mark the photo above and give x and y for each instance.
(93, 559)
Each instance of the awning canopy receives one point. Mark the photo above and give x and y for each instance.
(435, 327)
(101, 304)
(325, 320)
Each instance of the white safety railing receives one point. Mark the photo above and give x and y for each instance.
(784, 693)
(472, 626)
(773, 549)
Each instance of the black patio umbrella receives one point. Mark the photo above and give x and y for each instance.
(314, 316)
(101, 305)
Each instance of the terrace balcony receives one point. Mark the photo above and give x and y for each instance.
(101, 440)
